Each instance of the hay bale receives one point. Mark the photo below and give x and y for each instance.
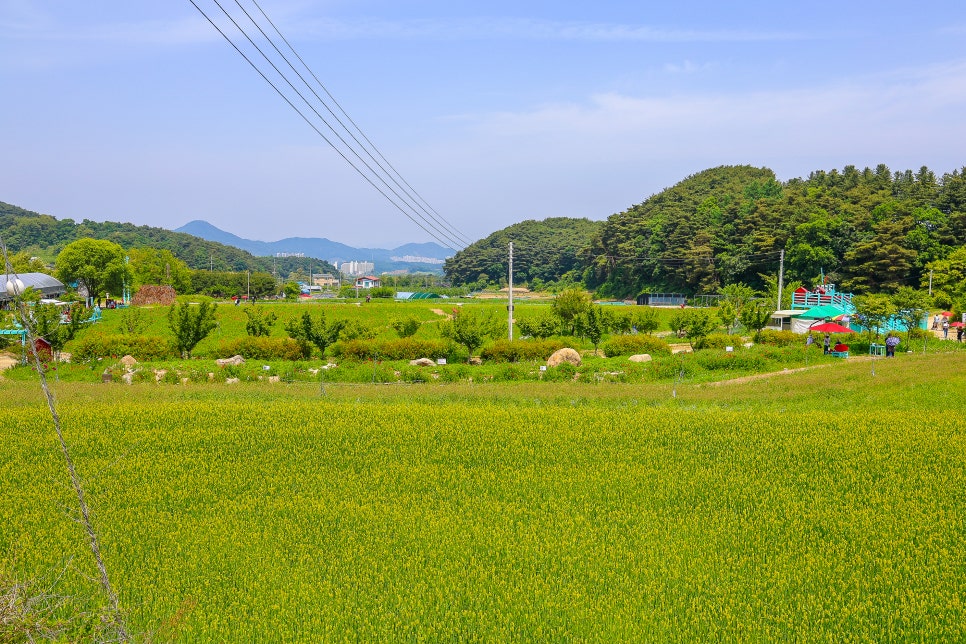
(154, 295)
(561, 356)
(640, 357)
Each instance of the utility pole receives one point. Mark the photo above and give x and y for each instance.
(509, 307)
(781, 277)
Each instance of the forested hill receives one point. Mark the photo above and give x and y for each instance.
(867, 230)
(543, 251)
(44, 236)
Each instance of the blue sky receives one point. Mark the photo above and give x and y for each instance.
(494, 112)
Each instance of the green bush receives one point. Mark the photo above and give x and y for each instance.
(142, 347)
(780, 338)
(626, 345)
(521, 350)
(719, 341)
(398, 349)
(261, 348)
(563, 372)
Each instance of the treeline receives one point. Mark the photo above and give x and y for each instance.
(868, 230)
(543, 251)
(45, 236)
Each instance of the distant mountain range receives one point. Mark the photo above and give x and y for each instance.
(426, 257)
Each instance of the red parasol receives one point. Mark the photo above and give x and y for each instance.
(956, 324)
(947, 314)
(830, 327)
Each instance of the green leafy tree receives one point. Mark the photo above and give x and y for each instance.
(874, 310)
(471, 328)
(97, 264)
(308, 332)
(132, 320)
(755, 316)
(406, 327)
(291, 290)
(595, 324)
(23, 262)
(570, 306)
(260, 322)
(911, 306)
(159, 266)
(56, 328)
(646, 320)
(191, 324)
(357, 330)
(693, 324)
(543, 325)
(736, 297)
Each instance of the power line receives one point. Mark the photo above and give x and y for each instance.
(428, 224)
(438, 218)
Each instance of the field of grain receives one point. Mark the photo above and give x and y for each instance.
(821, 505)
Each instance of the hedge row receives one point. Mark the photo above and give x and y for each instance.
(142, 347)
(626, 345)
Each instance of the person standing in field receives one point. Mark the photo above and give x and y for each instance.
(945, 329)
(891, 343)
(809, 341)
(826, 343)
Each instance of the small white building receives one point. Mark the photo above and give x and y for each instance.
(368, 281)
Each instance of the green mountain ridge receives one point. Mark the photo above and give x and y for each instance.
(869, 230)
(45, 236)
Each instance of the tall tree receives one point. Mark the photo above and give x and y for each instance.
(97, 264)
(191, 324)
(159, 266)
(911, 307)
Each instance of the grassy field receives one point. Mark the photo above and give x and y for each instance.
(825, 504)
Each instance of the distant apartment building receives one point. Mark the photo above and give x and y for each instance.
(357, 268)
(417, 259)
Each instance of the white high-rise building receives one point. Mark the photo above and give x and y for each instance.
(356, 268)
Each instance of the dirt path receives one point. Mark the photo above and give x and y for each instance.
(6, 361)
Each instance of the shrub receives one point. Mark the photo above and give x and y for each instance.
(142, 347)
(506, 351)
(261, 348)
(780, 338)
(625, 345)
(563, 372)
(406, 327)
(395, 349)
(719, 341)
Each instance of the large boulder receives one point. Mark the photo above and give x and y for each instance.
(422, 362)
(234, 361)
(564, 355)
(640, 357)
(128, 361)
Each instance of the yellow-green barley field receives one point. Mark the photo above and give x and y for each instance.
(825, 505)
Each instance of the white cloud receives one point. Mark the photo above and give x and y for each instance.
(865, 112)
